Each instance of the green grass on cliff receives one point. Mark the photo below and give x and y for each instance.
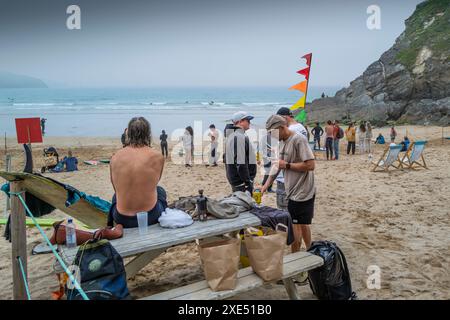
(436, 36)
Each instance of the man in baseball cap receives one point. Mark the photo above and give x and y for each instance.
(298, 163)
(292, 123)
(275, 122)
(240, 156)
(283, 111)
(241, 116)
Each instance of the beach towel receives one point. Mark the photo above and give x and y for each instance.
(91, 162)
(58, 168)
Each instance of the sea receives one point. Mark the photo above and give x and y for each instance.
(105, 112)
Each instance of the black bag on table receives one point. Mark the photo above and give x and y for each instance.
(332, 280)
(102, 273)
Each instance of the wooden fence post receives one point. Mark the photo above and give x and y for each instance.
(18, 242)
(8, 169)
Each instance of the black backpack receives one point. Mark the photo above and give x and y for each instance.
(340, 133)
(102, 273)
(332, 280)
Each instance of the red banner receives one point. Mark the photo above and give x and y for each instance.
(308, 58)
(28, 130)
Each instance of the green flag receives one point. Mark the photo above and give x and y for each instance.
(301, 116)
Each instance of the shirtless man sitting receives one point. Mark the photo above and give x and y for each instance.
(135, 172)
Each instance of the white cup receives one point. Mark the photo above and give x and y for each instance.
(142, 218)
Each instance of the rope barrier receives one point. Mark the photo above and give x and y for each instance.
(24, 277)
(66, 270)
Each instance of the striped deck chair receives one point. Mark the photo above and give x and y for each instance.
(390, 156)
(414, 155)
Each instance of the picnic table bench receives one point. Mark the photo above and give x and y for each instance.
(293, 264)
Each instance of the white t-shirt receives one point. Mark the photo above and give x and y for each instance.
(187, 140)
(214, 133)
(298, 128)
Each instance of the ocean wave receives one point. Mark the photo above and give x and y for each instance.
(213, 104)
(260, 104)
(33, 104)
(154, 103)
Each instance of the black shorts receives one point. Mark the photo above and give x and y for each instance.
(301, 212)
(131, 221)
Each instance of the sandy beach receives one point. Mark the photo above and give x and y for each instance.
(399, 221)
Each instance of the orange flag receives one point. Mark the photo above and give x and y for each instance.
(300, 86)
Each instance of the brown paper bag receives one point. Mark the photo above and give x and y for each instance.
(220, 261)
(266, 252)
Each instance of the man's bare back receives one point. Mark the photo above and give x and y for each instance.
(135, 173)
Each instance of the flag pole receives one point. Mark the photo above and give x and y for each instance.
(307, 83)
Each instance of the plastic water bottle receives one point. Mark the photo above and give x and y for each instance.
(71, 236)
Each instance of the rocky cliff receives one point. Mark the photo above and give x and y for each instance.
(410, 83)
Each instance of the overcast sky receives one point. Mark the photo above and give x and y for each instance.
(195, 42)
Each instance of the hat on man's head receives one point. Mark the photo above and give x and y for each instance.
(241, 115)
(275, 121)
(283, 111)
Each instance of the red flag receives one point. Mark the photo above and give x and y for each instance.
(304, 72)
(308, 58)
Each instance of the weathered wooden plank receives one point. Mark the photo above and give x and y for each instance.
(18, 242)
(247, 280)
(291, 289)
(139, 262)
(158, 238)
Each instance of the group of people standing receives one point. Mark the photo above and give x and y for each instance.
(187, 140)
(137, 168)
(364, 132)
(291, 168)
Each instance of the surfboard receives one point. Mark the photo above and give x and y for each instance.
(91, 162)
(54, 193)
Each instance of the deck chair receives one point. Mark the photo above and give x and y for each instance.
(54, 193)
(414, 155)
(389, 158)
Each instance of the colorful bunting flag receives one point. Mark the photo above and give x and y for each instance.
(299, 104)
(304, 72)
(308, 58)
(301, 86)
(301, 117)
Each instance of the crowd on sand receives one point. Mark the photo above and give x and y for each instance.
(284, 152)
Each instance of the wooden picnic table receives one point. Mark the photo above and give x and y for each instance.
(157, 240)
(147, 247)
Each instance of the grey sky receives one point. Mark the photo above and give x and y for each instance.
(195, 42)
